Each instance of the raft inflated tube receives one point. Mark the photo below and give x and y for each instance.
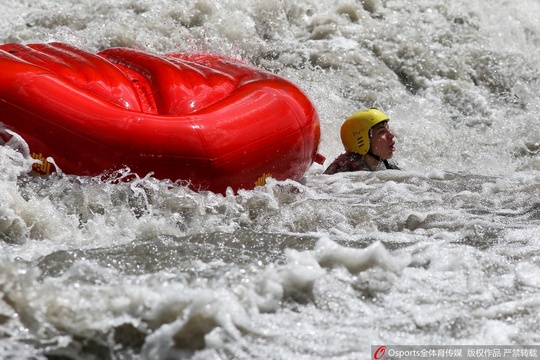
(206, 120)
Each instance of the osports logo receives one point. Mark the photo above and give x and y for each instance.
(379, 353)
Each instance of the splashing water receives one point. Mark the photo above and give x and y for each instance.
(443, 252)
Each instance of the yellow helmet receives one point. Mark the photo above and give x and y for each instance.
(355, 131)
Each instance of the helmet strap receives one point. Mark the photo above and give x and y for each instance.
(378, 158)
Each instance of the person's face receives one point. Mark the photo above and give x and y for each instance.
(382, 141)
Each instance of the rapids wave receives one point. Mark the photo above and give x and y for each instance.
(443, 252)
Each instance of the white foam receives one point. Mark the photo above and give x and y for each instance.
(442, 252)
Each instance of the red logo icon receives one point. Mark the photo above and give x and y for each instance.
(379, 353)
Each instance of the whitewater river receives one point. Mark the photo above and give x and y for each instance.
(444, 252)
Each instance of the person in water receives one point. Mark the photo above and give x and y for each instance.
(368, 142)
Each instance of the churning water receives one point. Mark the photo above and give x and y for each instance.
(444, 252)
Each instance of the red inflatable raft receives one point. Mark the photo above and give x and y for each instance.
(210, 121)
